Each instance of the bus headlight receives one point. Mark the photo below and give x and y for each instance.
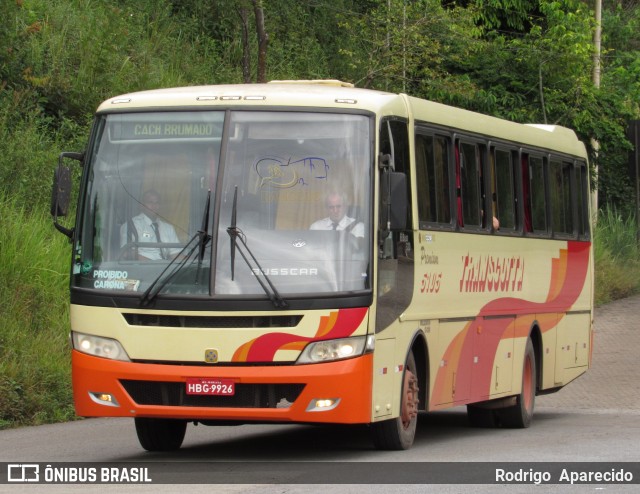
(99, 346)
(330, 350)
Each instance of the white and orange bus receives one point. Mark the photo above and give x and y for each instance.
(311, 252)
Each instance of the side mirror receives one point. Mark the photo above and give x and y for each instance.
(393, 189)
(61, 191)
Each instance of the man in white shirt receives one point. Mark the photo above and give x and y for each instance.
(338, 219)
(150, 228)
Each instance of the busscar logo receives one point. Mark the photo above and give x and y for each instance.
(211, 355)
(23, 472)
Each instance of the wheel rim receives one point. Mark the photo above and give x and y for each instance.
(410, 399)
(527, 384)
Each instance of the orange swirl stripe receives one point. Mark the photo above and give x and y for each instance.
(338, 324)
(475, 365)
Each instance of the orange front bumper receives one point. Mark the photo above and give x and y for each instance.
(350, 381)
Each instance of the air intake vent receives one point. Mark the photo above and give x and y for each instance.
(135, 319)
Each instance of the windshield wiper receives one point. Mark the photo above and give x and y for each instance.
(197, 243)
(236, 234)
(203, 234)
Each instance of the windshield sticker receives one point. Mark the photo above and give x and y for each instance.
(82, 267)
(114, 280)
(283, 173)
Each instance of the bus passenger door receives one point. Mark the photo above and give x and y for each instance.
(395, 236)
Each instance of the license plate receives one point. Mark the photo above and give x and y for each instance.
(215, 387)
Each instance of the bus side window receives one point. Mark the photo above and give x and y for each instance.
(537, 193)
(470, 185)
(560, 195)
(526, 194)
(441, 177)
(504, 202)
(582, 200)
(432, 163)
(459, 215)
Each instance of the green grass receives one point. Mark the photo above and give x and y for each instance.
(35, 371)
(35, 381)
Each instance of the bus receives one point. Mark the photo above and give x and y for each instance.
(311, 252)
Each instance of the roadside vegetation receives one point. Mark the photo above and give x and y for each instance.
(35, 385)
(617, 256)
(524, 60)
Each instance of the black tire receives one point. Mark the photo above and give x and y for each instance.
(160, 434)
(519, 416)
(398, 434)
(481, 417)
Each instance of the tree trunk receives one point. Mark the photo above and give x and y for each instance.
(263, 41)
(246, 51)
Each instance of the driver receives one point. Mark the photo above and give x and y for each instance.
(337, 218)
(148, 227)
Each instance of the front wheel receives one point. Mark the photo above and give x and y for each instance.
(399, 433)
(520, 414)
(160, 434)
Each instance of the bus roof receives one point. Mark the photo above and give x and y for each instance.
(312, 94)
(555, 137)
(340, 95)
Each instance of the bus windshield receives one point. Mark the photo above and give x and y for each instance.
(288, 197)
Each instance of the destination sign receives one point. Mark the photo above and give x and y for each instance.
(165, 130)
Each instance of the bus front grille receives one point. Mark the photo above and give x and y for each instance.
(246, 395)
(225, 322)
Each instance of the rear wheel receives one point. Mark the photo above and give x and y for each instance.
(399, 433)
(520, 414)
(160, 434)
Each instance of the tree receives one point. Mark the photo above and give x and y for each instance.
(542, 73)
(246, 49)
(400, 45)
(263, 40)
